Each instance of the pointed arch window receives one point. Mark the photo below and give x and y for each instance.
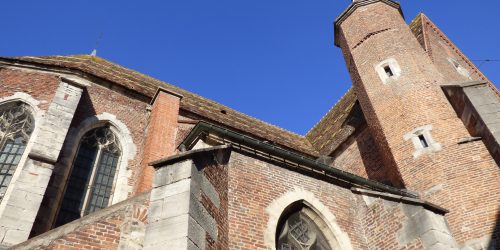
(92, 178)
(298, 230)
(16, 127)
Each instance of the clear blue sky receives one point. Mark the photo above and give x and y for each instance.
(271, 59)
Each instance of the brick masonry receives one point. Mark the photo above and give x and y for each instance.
(161, 133)
(97, 98)
(23, 198)
(466, 172)
(110, 228)
(359, 155)
(40, 86)
(232, 204)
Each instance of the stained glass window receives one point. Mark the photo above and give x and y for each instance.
(16, 126)
(299, 232)
(91, 182)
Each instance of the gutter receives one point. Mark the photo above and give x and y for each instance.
(204, 128)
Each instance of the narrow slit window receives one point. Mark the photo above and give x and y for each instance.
(388, 71)
(423, 141)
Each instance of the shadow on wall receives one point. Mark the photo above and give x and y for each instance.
(495, 235)
(370, 154)
(53, 195)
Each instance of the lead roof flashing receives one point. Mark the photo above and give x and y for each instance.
(352, 7)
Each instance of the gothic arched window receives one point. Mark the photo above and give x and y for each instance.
(298, 230)
(16, 125)
(92, 178)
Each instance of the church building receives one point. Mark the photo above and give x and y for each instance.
(97, 156)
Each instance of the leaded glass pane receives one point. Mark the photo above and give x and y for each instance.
(16, 126)
(78, 184)
(92, 177)
(299, 232)
(101, 191)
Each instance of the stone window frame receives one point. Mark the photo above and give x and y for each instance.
(121, 187)
(424, 131)
(394, 67)
(97, 161)
(336, 237)
(37, 114)
(459, 68)
(306, 230)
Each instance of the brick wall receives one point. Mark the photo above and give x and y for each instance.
(359, 155)
(160, 137)
(254, 185)
(101, 230)
(459, 176)
(440, 48)
(217, 175)
(128, 107)
(98, 98)
(40, 86)
(378, 220)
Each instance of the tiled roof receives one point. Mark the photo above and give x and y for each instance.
(422, 27)
(333, 129)
(417, 30)
(190, 102)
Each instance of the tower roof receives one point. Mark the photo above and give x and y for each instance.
(355, 5)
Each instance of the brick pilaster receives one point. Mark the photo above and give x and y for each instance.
(160, 136)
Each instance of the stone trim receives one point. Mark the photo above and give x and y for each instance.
(393, 65)
(186, 155)
(37, 116)
(21, 204)
(406, 200)
(337, 238)
(160, 89)
(459, 68)
(179, 185)
(46, 238)
(424, 131)
(129, 150)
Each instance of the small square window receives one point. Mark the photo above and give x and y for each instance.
(388, 71)
(422, 141)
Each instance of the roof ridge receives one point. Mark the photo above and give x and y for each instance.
(131, 75)
(197, 95)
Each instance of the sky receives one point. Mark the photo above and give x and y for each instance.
(271, 59)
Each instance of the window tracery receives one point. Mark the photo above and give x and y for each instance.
(16, 127)
(92, 178)
(299, 232)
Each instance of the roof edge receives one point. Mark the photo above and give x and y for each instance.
(203, 129)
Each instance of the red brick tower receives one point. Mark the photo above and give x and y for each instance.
(416, 128)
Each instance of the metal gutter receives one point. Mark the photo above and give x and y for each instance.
(204, 128)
